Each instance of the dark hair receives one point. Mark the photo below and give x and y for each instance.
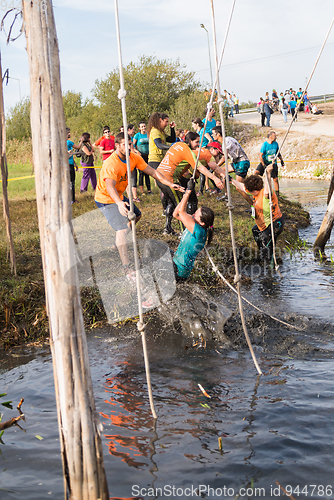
(198, 121)
(208, 217)
(85, 137)
(270, 133)
(68, 130)
(119, 137)
(141, 123)
(253, 183)
(206, 110)
(154, 121)
(190, 136)
(130, 126)
(106, 128)
(218, 129)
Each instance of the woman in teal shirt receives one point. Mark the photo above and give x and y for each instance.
(199, 229)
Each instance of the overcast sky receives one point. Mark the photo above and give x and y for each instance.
(270, 44)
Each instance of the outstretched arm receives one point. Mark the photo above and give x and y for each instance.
(161, 178)
(240, 187)
(181, 214)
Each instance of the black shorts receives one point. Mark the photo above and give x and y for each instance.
(274, 173)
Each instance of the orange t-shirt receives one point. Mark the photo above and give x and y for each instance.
(115, 168)
(176, 154)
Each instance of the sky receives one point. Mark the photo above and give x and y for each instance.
(270, 44)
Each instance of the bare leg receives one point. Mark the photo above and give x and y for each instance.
(122, 246)
(276, 185)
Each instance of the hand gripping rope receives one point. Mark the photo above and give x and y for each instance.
(140, 325)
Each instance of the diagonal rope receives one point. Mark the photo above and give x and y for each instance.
(229, 203)
(216, 270)
(284, 139)
(141, 325)
(210, 103)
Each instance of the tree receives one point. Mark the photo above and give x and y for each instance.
(18, 121)
(72, 102)
(151, 84)
(187, 107)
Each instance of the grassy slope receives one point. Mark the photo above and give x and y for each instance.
(22, 302)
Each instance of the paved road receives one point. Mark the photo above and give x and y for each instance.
(309, 124)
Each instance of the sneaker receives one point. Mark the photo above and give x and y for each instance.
(168, 231)
(149, 192)
(222, 198)
(163, 213)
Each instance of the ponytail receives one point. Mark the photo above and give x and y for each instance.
(208, 217)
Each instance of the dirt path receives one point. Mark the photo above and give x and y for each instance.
(316, 125)
(310, 138)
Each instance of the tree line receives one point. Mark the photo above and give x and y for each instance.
(151, 84)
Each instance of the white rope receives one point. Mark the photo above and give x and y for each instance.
(216, 270)
(131, 215)
(229, 203)
(284, 139)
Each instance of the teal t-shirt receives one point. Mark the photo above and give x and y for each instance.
(269, 151)
(190, 246)
(142, 143)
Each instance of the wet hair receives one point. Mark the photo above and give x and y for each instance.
(85, 136)
(198, 121)
(190, 136)
(208, 217)
(154, 121)
(253, 183)
(218, 129)
(105, 128)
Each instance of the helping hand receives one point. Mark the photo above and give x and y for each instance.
(191, 185)
(177, 187)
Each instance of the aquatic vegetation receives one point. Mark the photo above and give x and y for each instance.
(318, 171)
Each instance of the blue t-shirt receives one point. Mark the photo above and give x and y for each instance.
(293, 104)
(142, 143)
(70, 145)
(269, 151)
(210, 125)
(190, 246)
(205, 140)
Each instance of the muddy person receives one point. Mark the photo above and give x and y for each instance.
(268, 152)
(257, 195)
(109, 198)
(198, 232)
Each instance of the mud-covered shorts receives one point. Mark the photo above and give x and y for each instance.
(241, 168)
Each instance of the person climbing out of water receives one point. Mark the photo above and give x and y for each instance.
(198, 232)
(175, 165)
(112, 182)
(257, 195)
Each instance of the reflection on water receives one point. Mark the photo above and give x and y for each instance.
(277, 427)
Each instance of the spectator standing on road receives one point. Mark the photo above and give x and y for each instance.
(285, 110)
(236, 104)
(292, 107)
(267, 154)
(267, 111)
(260, 108)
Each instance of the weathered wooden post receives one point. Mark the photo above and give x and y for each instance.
(4, 178)
(328, 221)
(78, 422)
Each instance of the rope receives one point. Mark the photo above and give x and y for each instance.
(216, 270)
(284, 139)
(229, 204)
(141, 327)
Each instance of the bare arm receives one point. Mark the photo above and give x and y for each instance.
(161, 178)
(240, 187)
(86, 151)
(180, 213)
(267, 184)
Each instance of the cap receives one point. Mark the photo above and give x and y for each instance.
(215, 144)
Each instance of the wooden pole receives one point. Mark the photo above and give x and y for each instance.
(328, 221)
(4, 177)
(78, 421)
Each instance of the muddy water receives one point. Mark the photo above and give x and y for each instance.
(277, 427)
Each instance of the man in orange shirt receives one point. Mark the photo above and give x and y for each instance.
(112, 182)
(175, 165)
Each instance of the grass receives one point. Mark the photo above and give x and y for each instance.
(318, 171)
(23, 316)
